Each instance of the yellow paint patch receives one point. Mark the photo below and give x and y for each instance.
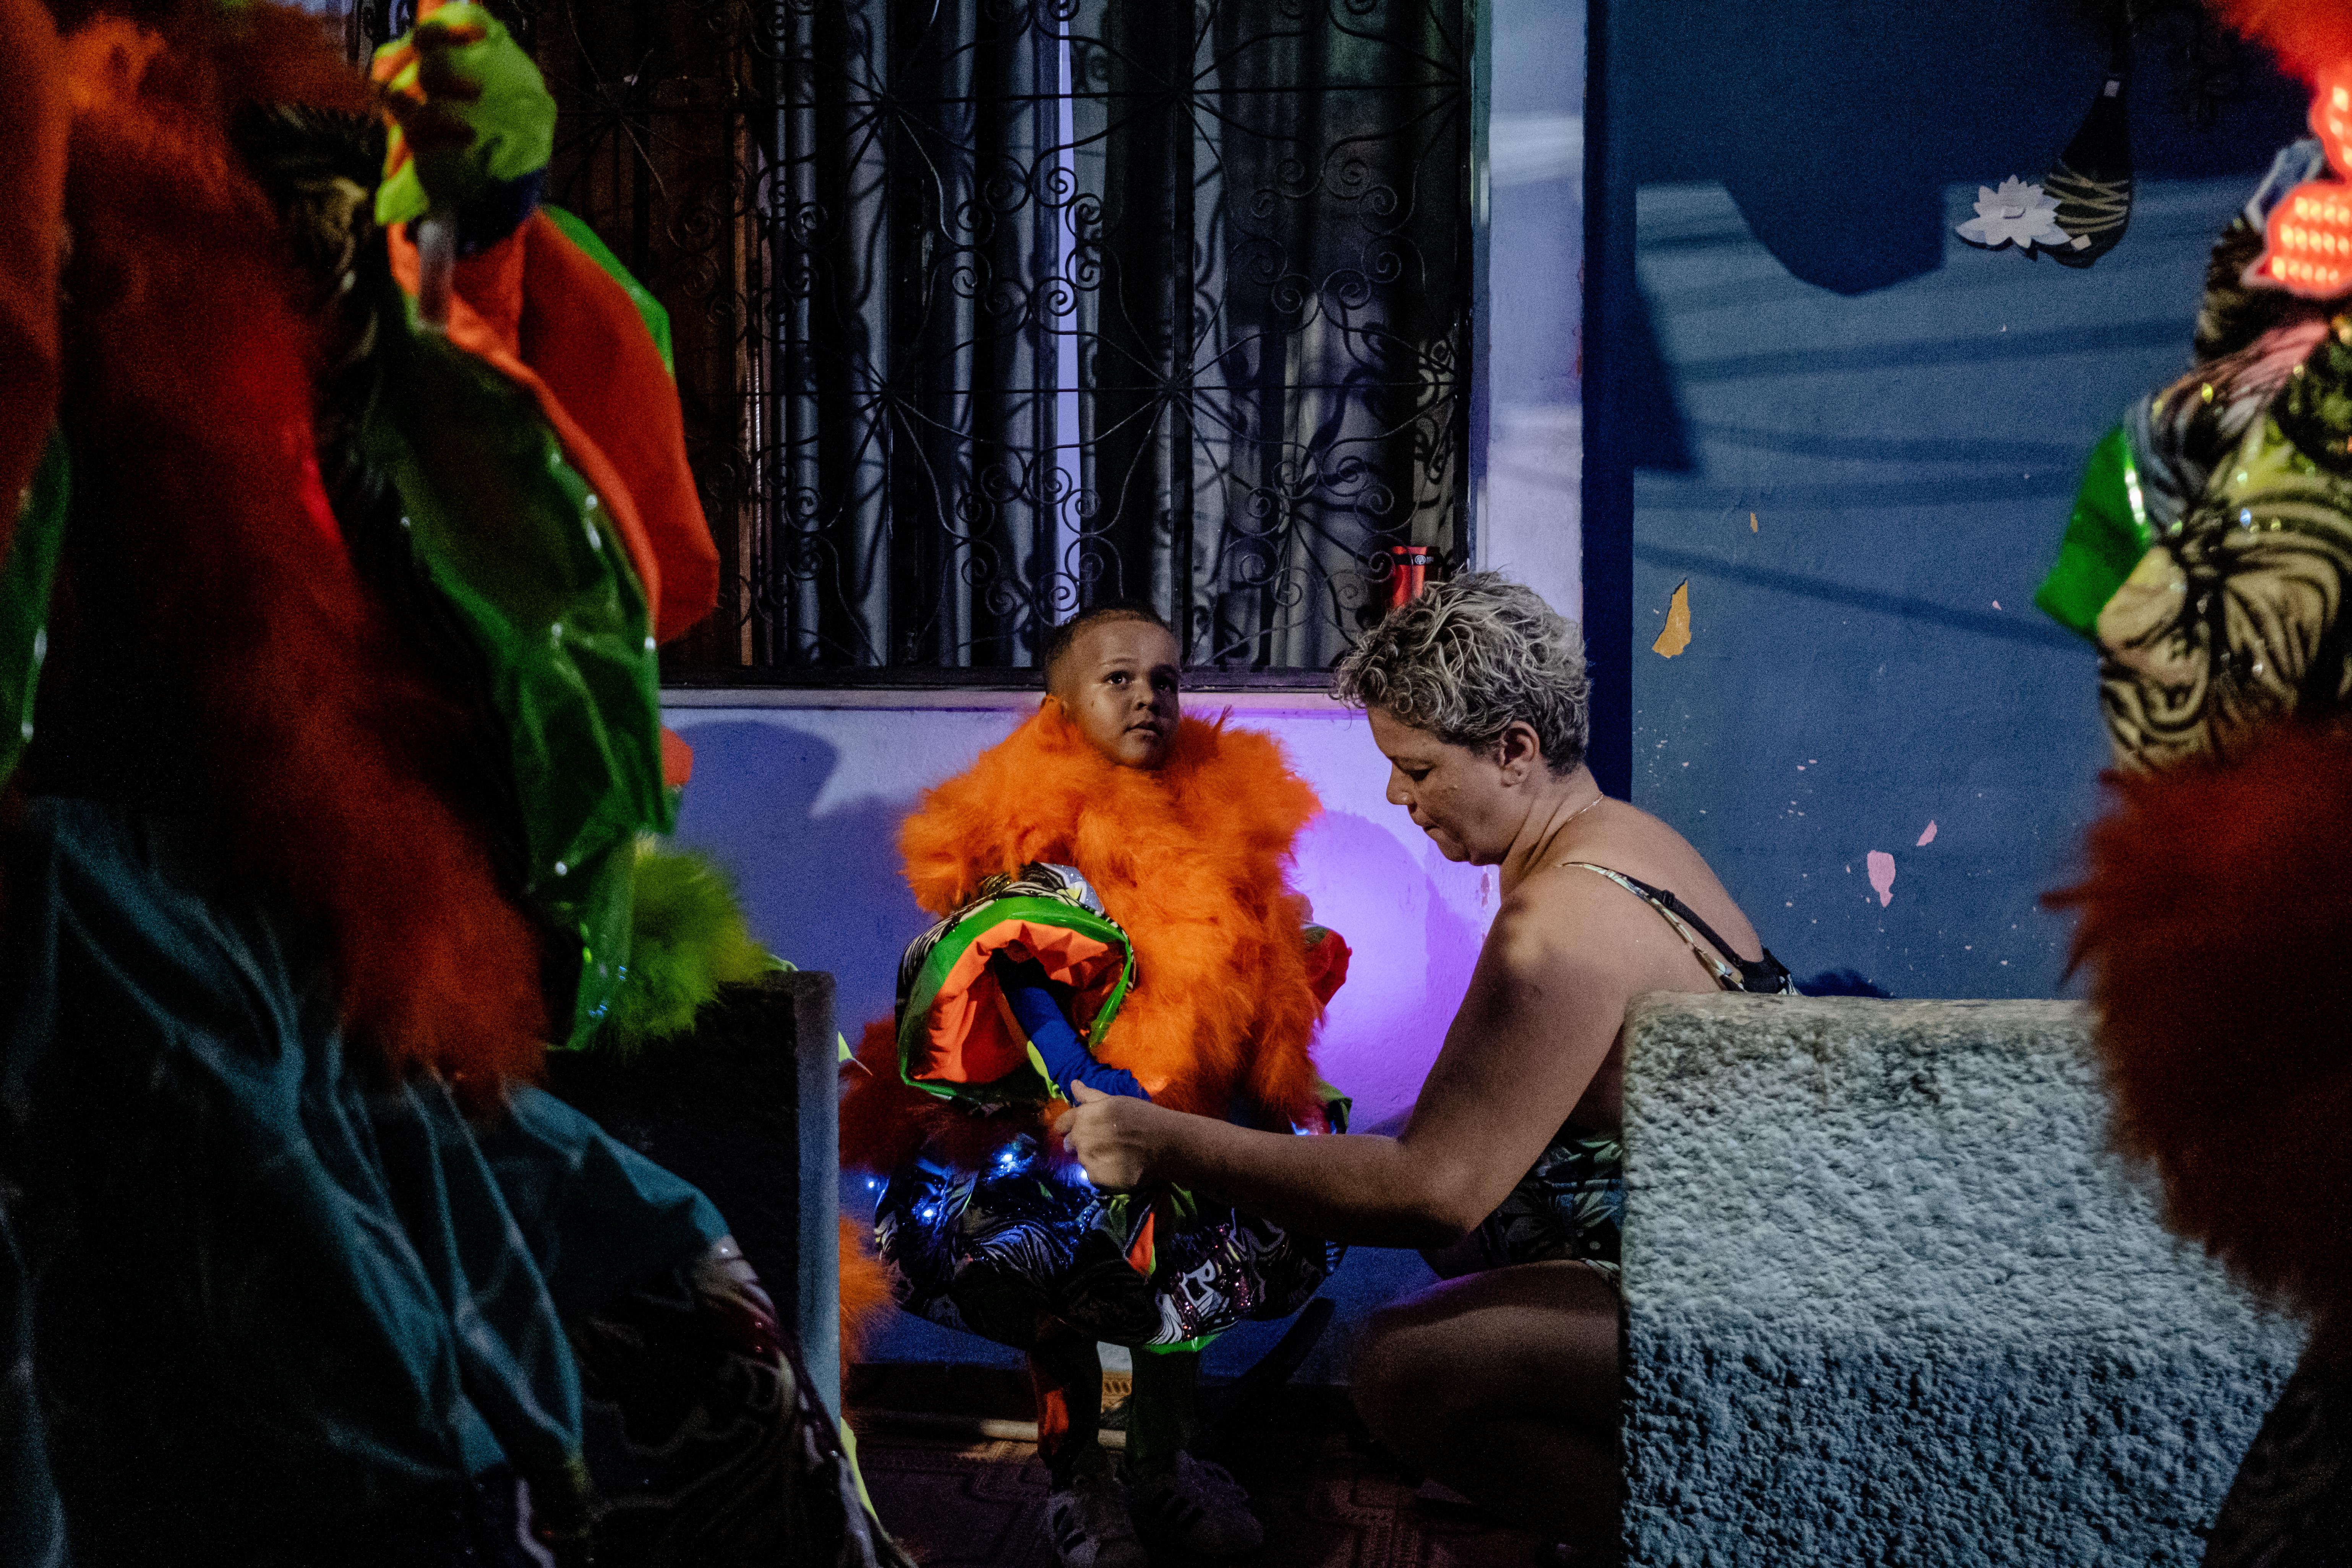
(1751, 522)
(1677, 634)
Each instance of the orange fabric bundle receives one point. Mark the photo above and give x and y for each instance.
(541, 310)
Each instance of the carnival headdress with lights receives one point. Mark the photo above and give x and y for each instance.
(2307, 245)
(2211, 543)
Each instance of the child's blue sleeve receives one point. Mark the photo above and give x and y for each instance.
(1036, 1002)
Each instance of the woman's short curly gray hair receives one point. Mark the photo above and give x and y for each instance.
(1468, 658)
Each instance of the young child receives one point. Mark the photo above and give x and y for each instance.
(1112, 879)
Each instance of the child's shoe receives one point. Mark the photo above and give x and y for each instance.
(1199, 1508)
(1088, 1524)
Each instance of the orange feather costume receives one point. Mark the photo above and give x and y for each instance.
(212, 643)
(2215, 919)
(212, 639)
(2215, 922)
(1191, 859)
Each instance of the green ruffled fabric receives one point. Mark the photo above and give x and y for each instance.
(27, 577)
(508, 536)
(2105, 536)
(1028, 1084)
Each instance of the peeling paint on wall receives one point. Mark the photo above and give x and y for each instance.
(1882, 875)
(1927, 837)
(1677, 634)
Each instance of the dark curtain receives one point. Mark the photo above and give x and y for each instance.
(991, 309)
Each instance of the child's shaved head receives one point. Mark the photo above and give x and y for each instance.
(1065, 636)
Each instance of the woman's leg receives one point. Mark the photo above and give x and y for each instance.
(1066, 1375)
(1504, 1385)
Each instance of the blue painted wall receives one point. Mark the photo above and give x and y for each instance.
(1785, 328)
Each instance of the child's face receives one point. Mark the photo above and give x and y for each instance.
(1118, 684)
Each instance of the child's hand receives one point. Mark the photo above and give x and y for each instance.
(1109, 1134)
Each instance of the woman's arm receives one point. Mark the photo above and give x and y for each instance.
(1541, 1014)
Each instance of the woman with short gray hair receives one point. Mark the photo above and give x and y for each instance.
(1501, 1381)
(1468, 658)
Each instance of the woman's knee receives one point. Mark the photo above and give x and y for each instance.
(1397, 1372)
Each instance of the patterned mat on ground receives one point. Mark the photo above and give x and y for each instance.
(1329, 1498)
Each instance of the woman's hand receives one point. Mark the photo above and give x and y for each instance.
(1110, 1135)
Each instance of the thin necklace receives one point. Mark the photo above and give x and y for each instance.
(1553, 836)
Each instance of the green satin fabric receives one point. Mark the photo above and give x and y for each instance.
(2107, 535)
(27, 577)
(518, 551)
(650, 311)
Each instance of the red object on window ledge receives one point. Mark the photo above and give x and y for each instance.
(1408, 572)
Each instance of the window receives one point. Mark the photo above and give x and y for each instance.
(988, 310)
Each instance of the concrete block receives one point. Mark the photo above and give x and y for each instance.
(1891, 1298)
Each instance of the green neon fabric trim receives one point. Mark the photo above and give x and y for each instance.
(2107, 535)
(1201, 1344)
(513, 117)
(656, 318)
(506, 534)
(857, 1477)
(1027, 1084)
(27, 578)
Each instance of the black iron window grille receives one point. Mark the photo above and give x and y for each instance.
(991, 310)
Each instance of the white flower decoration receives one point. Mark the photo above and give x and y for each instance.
(2017, 213)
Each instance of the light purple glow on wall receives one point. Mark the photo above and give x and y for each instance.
(802, 806)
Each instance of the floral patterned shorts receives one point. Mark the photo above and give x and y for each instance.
(1570, 1204)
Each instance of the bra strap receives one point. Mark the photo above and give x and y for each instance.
(1764, 976)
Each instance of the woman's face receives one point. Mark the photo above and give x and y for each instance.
(1462, 798)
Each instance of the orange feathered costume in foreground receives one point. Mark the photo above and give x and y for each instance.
(2217, 919)
(213, 643)
(1191, 859)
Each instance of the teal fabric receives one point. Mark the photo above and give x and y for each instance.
(597, 1216)
(359, 1294)
(32, 1521)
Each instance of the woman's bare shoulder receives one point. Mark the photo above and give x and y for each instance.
(1624, 838)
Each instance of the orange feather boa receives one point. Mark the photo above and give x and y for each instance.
(1191, 859)
(213, 647)
(2215, 919)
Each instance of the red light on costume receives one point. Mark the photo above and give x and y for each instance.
(2331, 118)
(2310, 241)
(2308, 249)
